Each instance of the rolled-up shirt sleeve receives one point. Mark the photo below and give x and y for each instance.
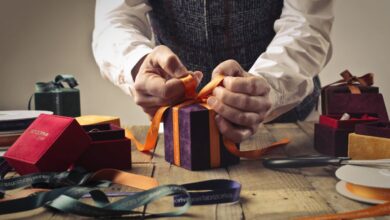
(299, 51)
(121, 37)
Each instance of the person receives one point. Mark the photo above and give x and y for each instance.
(271, 52)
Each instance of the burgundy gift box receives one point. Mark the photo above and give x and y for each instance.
(331, 134)
(109, 148)
(376, 129)
(338, 100)
(50, 143)
(194, 139)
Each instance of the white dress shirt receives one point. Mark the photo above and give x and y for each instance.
(298, 52)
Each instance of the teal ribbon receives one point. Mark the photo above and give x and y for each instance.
(69, 187)
(66, 200)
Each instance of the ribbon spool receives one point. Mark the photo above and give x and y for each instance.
(364, 184)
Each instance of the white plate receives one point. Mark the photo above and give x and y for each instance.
(16, 115)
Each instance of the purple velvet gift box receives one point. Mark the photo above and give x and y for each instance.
(194, 139)
(338, 100)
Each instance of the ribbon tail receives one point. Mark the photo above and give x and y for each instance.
(378, 210)
(152, 135)
(125, 178)
(253, 154)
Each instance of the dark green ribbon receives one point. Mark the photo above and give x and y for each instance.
(57, 83)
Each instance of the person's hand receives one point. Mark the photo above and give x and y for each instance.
(156, 83)
(241, 104)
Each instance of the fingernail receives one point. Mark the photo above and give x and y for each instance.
(211, 101)
(216, 90)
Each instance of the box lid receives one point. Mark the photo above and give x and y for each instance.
(377, 129)
(364, 103)
(50, 143)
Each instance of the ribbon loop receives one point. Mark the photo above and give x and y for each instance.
(365, 80)
(56, 83)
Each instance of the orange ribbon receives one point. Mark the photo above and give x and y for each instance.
(365, 192)
(351, 81)
(200, 98)
(378, 210)
(369, 192)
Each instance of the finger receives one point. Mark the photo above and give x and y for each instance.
(252, 85)
(145, 100)
(154, 85)
(150, 111)
(242, 101)
(164, 58)
(235, 116)
(228, 68)
(233, 133)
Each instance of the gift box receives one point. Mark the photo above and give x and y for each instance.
(331, 133)
(53, 96)
(50, 143)
(109, 148)
(197, 147)
(370, 141)
(353, 95)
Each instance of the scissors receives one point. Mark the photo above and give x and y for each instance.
(315, 161)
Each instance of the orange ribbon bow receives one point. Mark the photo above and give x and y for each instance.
(200, 98)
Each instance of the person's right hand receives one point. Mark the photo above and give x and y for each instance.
(157, 81)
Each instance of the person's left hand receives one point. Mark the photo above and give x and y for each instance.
(241, 104)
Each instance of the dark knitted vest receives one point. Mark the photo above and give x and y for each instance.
(204, 33)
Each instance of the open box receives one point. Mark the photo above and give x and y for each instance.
(331, 133)
(109, 148)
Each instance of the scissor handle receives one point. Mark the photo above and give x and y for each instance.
(297, 162)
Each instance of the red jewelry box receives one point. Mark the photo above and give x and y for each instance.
(109, 148)
(50, 143)
(331, 134)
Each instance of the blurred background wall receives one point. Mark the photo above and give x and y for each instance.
(41, 38)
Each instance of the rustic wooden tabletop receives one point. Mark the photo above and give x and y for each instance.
(266, 194)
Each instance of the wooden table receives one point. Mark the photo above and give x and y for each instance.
(266, 194)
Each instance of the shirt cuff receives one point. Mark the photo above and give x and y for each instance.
(132, 59)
